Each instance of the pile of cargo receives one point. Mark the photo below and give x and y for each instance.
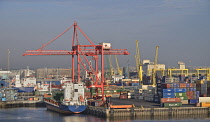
(185, 91)
(111, 91)
(204, 102)
(170, 102)
(8, 94)
(145, 92)
(203, 87)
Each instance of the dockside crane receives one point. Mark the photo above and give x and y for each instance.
(155, 67)
(119, 70)
(112, 72)
(138, 62)
(80, 54)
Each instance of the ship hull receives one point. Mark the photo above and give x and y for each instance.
(25, 89)
(64, 109)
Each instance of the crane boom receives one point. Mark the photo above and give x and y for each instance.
(138, 62)
(118, 67)
(155, 65)
(79, 54)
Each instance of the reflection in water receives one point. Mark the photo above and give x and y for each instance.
(200, 117)
(42, 115)
(82, 118)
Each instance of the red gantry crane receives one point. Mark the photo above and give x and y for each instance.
(82, 52)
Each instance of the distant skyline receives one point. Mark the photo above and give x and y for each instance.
(181, 29)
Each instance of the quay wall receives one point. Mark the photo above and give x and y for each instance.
(151, 112)
(28, 103)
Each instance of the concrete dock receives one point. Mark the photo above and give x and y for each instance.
(144, 109)
(24, 103)
(148, 112)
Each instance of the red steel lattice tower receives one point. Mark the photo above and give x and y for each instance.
(80, 54)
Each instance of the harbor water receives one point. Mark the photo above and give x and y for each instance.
(30, 114)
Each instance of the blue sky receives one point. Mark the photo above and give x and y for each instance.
(180, 28)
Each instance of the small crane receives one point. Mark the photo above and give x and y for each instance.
(119, 71)
(138, 62)
(155, 65)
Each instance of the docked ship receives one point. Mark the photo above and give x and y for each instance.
(73, 100)
(26, 84)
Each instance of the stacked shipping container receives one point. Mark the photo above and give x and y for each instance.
(185, 91)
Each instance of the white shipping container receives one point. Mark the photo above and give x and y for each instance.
(141, 97)
(151, 87)
(140, 90)
(156, 99)
(130, 93)
(144, 87)
(184, 101)
(204, 99)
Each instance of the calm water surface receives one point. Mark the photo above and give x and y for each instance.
(43, 115)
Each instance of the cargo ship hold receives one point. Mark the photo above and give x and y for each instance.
(72, 102)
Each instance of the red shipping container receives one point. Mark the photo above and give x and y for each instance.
(87, 95)
(122, 96)
(203, 95)
(189, 93)
(182, 85)
(191, 97)
(198, 85)
(166, 85)
(170, 100)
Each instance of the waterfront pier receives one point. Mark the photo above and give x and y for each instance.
(151, 112)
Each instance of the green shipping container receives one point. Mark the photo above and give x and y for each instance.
(92, 90)
(118, 90)
(108, 91)
(172, 104)
(182, 98)
(180, 94)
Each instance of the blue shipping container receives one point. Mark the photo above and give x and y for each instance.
(179, 90)
(168, 97)
(192, 89)
(193, 101)
(135, 84)
(168, 94)
(176, 85)
(171, 95)
(3, 99)
(168, 90)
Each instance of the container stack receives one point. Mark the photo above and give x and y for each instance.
(208, 88)
(204, 101)
(8, 94)
(186, 92)
(203, 87)
(170, 80)
(192, 93)
(181, 93)
(138, 92)
(170, 102)
(149, 93)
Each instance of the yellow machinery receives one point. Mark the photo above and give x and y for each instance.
(183, 71)
(161, 70)
(119, 71)
(155, 64)
(138, 62)
(111, 66)
(207, 72)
